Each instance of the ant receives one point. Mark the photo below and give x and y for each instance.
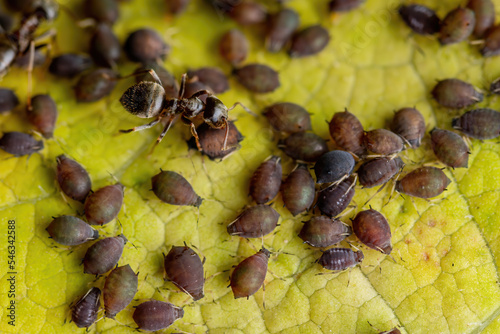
(146, 99)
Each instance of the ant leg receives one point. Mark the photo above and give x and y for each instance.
(170, 121)
(30, 73)
(142, 127)
(196, 138)
(182, 89)
(244, 107)
(201, 92)
(151, 72)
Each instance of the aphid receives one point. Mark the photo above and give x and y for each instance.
(339, 259)
(249, 275)
(42, 113)
(308, 42)
(480, 124)
(255, 222)
(491, 46)
(324, 231)
(212, 141)
(457, 26)
(102, 256)
(105, 47)
(184, 268)
(105, 11)
(373, 230)
(495, 87)
(344, 5)
(304, 146)
(450, 148)
(258, 78)
(172, 188)
(421, 19)
(19, 143)
(424, 182)
(104, 205)
(248, 13)
(145, 45)
(485, 15)
(213, 77)
(266, 180)
(333, 166)
(24, 60)
(96, 84)
(193, 86)
(298, 190)
(379, 171)
(167, 79)
(456, 94)
(120, 288)
(288, 117)
(395, 330)
(347, 132)
(383, 142)
(8, 100)
(155, 315)
(69, 65)
(73, 178)
(409, 124)
(333, 200)
(233, 47)
(176, 7)
(71, 231)
(84, 312)
(280, 28)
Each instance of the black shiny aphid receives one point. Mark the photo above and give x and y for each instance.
(333, 166)
(420, 19)
(19, 143)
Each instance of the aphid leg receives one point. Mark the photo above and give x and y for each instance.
(264, 295)
(142, 127)
(226, 135)
(244, 108)
(196, 138)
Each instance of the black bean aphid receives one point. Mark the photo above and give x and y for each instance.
(298, 190)
(373, 230)
(491, 46)
(105, 47)
(249, 275)
(339, 259)
(248, 13)
(213, 77)
(42, 113)
(120, 288)
(456, 94)
(280, 28)
(485, 15)
(258, 78)
(71, 231)
(145, 45)
(383, 142)
(104, 205)
(422, 20)
(73, 178)
(255, 222)
(212, 140)
(19, 143)
(266, 180)
(457, 26)
(84, 312)
(102, 256)
(304, 146)
(94, 85)
(324, 231)
(378, 171)
(308, 42)
(333, 166)
(424, 182)
(450, 148)
(333, 200)
(8, 100)
(409, 124)
(184, 268)
(347, 132)
(344, 5)
(155, 315)
(233, 47)
(288, 117)
(479, 123)
(172, 188)
(69, 65)
(105, 11)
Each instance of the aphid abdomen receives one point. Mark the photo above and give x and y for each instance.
(266, 181)
(323, 231)
(249, 275)
(84, 312)
(379, 171)
(479, 123)
(155, 315)
(339, 259)
(255, 222)
(119, 290)
(185, 269)
(424, 182)
(333, 200)
(373, 230)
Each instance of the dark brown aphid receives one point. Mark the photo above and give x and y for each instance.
(213, 77)
(288, 117)
(193, 86)
(19, 143)
(304, 146)
(104, 205)
(120, 288)
(105, 47)
(280, 28)
(102, 256)
(339, 259)
(373, 230)
(249, 275)
(323, 231)
(184, 268)
(172, 188)
(479, 123)
(450, 148)
(456, 94)
(94, 85)
(71, 231)
(308, 42)
(176, 7)
(8, 100)
(333, 200)
(69, 65)
(105, 11)
(233, 47)
(491, 46)
(168, 81)
(42, 113)
(84, 312)
(457, 26)
(344, 5)
(333, 166)
(379, 171)
(266, 180)
(255, 222)
(24, 60)
(421, 19)
(73, 178)
(347, 132)
(155, 315)
(298, 190)
(409, 124)
(424, 182)
(212, 141)
(145, 45)
(248, 13)
(258, 78)
(383, 142)
(485, 15)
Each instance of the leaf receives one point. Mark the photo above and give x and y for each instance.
(443, 276)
